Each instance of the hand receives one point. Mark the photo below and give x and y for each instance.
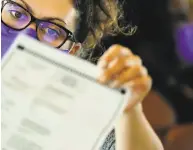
(121, 68)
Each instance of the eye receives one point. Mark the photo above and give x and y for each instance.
(52, 32)
(17, 15)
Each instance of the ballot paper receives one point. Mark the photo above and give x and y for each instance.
(52, 101)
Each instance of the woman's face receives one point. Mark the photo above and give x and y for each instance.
(59, 12)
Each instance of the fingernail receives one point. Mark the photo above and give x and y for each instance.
(102, 64)
(100, 71)
(144, 71)
(114, 84)
(113, 63)
(103, 79)
(129, 63)
(125, 52)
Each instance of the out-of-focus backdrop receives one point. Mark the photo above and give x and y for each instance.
(164, 40)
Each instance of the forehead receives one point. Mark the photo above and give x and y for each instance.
(63, 9)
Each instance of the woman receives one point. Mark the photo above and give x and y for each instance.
(72, 25)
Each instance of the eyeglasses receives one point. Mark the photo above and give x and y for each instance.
(17, 17)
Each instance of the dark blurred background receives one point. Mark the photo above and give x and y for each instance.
(169, 106)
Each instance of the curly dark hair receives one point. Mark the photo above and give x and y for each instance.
(98, 19)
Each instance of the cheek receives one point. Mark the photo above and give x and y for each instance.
(67, 46)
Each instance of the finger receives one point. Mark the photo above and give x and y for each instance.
(114, 68)
(113, 52)
(133, 60)
(117, 65)
(137, 90)
(128, 75)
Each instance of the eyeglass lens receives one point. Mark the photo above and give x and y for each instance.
(18, 18)
(15, 16)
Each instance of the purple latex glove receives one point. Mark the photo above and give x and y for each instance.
(8, 35)
(31, 32)
(184, 43)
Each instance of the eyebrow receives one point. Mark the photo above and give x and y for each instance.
(28, 7)
(53, 18)
(44, 18)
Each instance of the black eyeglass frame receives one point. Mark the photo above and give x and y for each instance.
(70, 35)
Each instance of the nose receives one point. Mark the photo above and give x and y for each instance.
(31, 31)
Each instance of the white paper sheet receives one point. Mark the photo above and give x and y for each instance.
(51, 101)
